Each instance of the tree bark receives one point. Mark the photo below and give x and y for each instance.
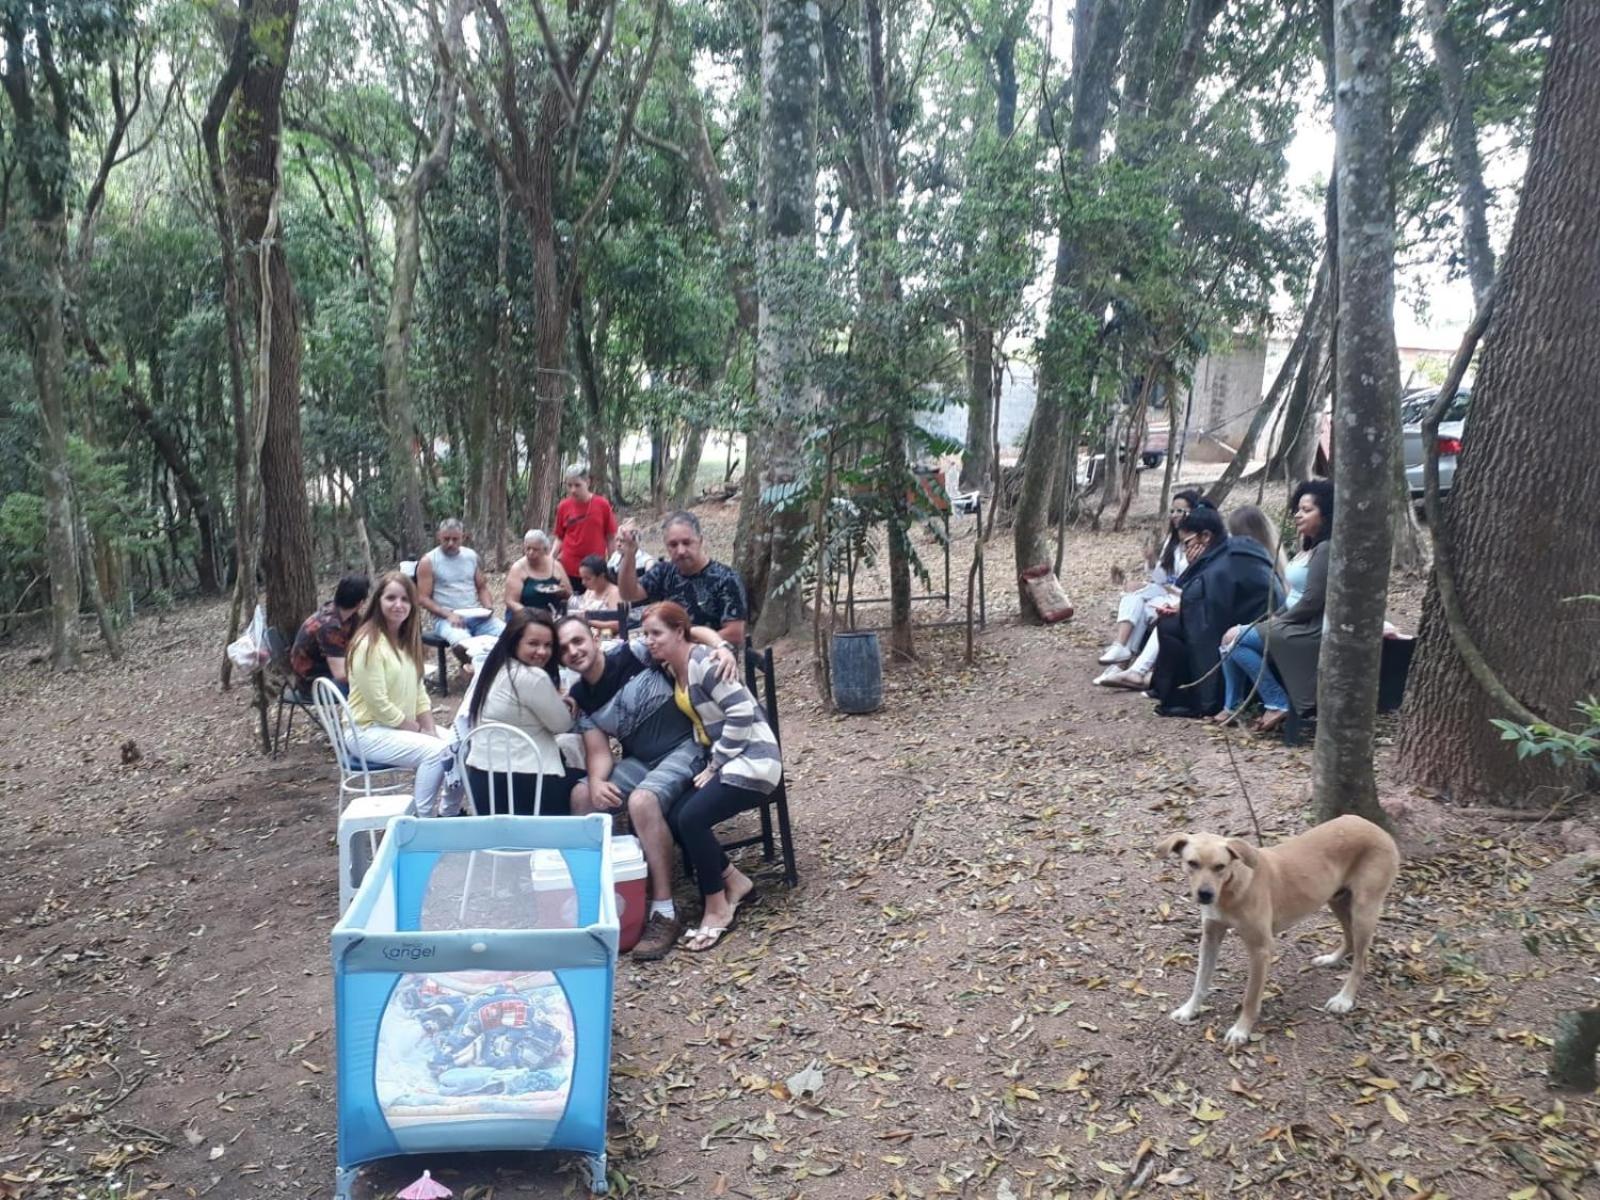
(687, 477)
(1577, 1041)
(406, 203)
(1509, 517)
(1365, 414)
(244, 525)
(791, 49)
(1464, 156)
(1097, 34)
(41, 140)
(254, 152)
(48, 329)
(1287, 378)
(975, 456)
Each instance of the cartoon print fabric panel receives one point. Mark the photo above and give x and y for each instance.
(475, 1045)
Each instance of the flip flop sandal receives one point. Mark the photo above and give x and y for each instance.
(711, 931)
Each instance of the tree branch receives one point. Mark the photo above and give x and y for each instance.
(624, 133)
(553, 52)
(1443, 571)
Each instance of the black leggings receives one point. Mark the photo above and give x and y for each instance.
(694, 821)
(556, 802)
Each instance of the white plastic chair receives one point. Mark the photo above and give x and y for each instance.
(365, 806)
(500, 742)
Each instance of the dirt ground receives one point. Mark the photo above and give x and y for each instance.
(976, 967)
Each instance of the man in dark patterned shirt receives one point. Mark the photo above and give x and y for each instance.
(319, 647)
(711, 592)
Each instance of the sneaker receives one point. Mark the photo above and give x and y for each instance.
(1115, 653)
(659, 936)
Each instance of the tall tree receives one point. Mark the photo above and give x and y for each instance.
(255, 164)
(405, 173)
(786, 277)
(1516, 556)
(1366, 425)
(46, 48)
(538, 161)
(1097, 48)
(1462, 125)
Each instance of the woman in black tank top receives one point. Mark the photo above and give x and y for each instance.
(537, 580)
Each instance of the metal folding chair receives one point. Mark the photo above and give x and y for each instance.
(365, 805)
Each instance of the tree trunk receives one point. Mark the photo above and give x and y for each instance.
(550, 316)
(686, 484)
(244, 526)
(1288, 373)
(1519, 556)
(50, 381)
(1097, 33)
(1365, 414)
(39, 141)
(980, 391)
(791, 48)
(1464, 157)
(104, 618)
(171, 453)
(400, 421)
(254, 159)
(1577, 1041)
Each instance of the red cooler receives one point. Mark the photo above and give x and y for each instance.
(633, 893)
(556, 903)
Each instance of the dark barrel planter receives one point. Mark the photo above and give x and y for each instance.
(857, 672)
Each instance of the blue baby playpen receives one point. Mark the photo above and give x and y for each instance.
(472, 992)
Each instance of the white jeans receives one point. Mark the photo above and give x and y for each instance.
(490, 626)
(1138, 609)
(426, 753)
(1146, 662)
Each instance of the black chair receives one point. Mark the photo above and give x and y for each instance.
(623, 615)
(293, 699)
(761, 681)
(1393, 668)
(289, 698)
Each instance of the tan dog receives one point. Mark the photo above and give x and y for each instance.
(1347, 864)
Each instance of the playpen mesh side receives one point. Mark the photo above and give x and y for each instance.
(512, 1056)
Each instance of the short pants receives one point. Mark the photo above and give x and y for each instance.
(670, 778)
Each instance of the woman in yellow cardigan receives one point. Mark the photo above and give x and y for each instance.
(387, 698)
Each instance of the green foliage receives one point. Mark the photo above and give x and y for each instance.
(1563, 747)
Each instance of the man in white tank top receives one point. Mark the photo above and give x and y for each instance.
(450, 579)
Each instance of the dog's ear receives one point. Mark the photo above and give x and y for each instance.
(1173, 843)
(1242, 850)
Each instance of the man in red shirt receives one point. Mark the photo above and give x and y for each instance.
(585, 524)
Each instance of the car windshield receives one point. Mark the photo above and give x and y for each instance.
(1415, 406)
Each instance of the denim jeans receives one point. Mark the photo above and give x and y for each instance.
(490, 626)
(1245, 660)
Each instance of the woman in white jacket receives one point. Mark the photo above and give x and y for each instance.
(519, 684)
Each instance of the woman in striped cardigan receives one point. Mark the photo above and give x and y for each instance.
(744, 767)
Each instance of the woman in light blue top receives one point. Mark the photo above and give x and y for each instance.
(1294, 633)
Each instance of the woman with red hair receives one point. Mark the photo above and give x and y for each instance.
(744, 768)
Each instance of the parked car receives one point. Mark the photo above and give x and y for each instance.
(1451, 427)
(1413, 407)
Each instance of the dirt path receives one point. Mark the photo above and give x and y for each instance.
(978, 962)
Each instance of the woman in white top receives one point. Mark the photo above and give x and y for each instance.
(1138, 610)
(597, 594)
(518, 684)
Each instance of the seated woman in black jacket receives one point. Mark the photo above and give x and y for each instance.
(1229, 581)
